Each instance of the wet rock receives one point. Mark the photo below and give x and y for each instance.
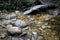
(47, 19)
(13, 20)
(20, 23)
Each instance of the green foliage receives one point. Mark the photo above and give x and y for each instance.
(30, 1)
(23, 4)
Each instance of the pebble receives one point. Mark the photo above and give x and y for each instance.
(39, 24)
(47, 19)
(18, 13)
(43, 26)
(40, 38)
(48, 26)
(29, 17)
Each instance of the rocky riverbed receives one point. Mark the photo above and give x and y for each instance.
(34, 27)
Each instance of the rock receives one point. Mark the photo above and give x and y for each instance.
(43, 26)
(23, 34)
(16, 12)
(20, 23)
(6, 21)
(31, 19)
(54, 12)
(10, 16)
(28, 17)
(2, 36)
(4, 11)
(13, 30)
(47, 19)
(32, 24)
(39, 24)
(15, 38)
(26, 28)
(34, 35)
(13, 19)
(40, 38)
(46, 24)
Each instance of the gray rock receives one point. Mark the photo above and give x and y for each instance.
(13, 29)
(20, 23)
(54, 12)
(10, 16)
(16, 11)
(6, 21)
(44, 27)
(40, 38)
(15, 38)
(34, 35)
(24, 34)
(29, 17)
(2, 36)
